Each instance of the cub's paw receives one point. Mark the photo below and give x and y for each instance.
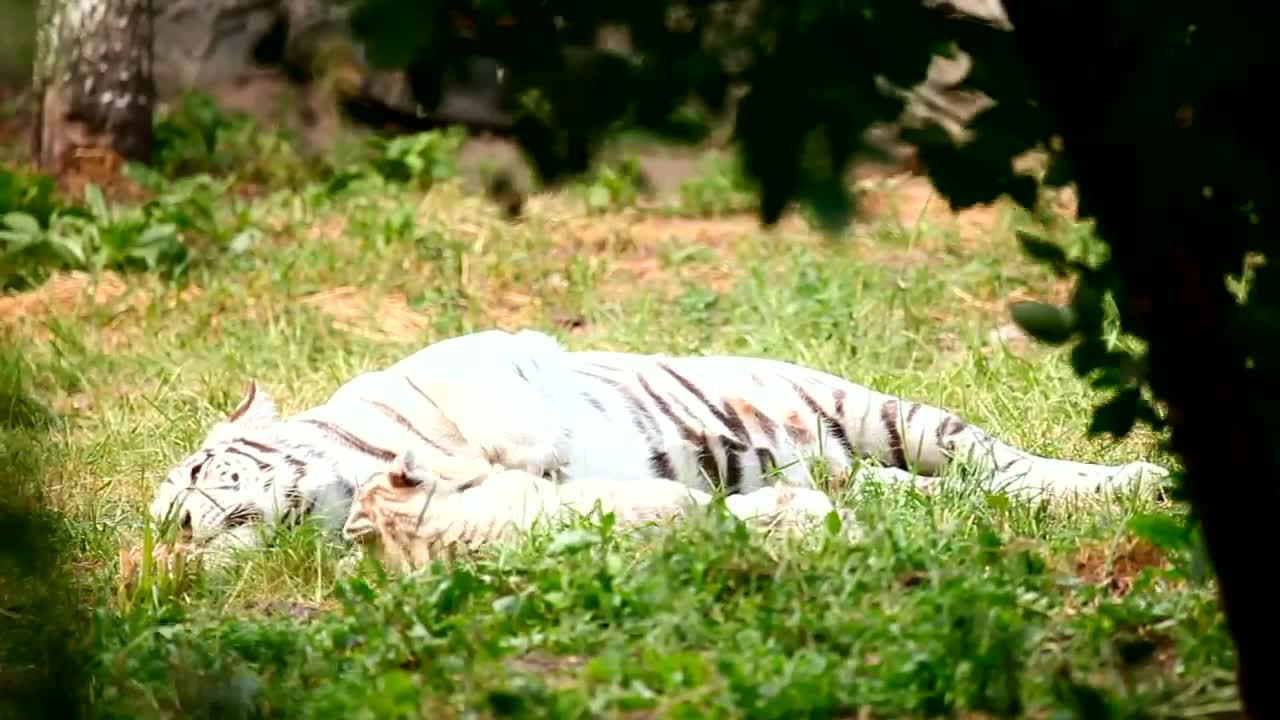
(174, 561)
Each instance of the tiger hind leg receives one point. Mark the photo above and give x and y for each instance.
(1012, 470)
(918, 443)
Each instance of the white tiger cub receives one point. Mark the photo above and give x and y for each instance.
(520, 401)
(410, 514)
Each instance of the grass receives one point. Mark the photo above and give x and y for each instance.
(956, 604)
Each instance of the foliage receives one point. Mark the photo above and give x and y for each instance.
(44, 235)
(204, 157)
(612, 185)
(196, 136)
(1145, 123)
(719, 188)
(418, 159)
(951, 602)
(582, 621)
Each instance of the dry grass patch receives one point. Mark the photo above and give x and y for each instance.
(1115, 567)
(382, 319)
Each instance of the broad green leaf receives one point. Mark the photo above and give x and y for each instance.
(1163, 531)
(1086, 303)
(1089, 355)
(96, 203)
(1041, 249)
(23, 223)
(571, 541)
(1043, 322)
(1117, 415)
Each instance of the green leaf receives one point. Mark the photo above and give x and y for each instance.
(1163, 531)
(70, 247)
(1042, 250)
(571, 541)
(1043, 322)
(831, 205)
(832, 523)
(97, 204)
(1201, 566)
(23, 223)
(1086, 303)
(1118, 415)
(598, 197)
(1088, 356)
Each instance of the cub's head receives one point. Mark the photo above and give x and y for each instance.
(239, 479)
(392, 512)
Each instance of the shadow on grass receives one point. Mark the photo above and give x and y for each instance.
(44, 627)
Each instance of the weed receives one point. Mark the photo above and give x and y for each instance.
(720, 188)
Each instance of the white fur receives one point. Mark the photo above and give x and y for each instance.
(448, 520)
(492, 401)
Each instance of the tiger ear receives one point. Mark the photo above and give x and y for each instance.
(256, 408)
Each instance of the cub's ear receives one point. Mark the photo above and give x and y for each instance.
(256, 408)
(407, 471)
(443, 473)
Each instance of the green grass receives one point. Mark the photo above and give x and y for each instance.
(956, 604)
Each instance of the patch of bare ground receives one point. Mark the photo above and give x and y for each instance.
(77, 294)
(1115, 568)
(359, 312)
(911, 201)
(634, 244)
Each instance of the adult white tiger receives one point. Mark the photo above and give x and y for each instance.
(521, 401)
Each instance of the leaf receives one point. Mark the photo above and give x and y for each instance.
(1135, 651)
(832, 206)
(1043, 322)
(23, 223)
(598, 197)
(97, 204)
(1201, 566)
(1024, 190)
(1058, 174)
(1086, 303)
(1163, 531)
(1088, 356)
(1118, 415)
(571, 541)
(832, 523)
(70, 247)
(1043, 251)
(243, 241)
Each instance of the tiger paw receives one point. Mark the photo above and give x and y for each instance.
(1150, 479)
(167, 560)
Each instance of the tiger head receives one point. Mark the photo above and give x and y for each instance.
(240, 480)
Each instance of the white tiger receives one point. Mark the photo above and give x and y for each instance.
(521, 401)
(409, 515)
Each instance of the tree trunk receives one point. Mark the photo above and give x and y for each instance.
(93, 80)
(1134, 164)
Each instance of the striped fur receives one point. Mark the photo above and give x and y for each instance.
(406, 516)
(470, 404)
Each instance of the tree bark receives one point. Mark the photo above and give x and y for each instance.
(93, 80)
